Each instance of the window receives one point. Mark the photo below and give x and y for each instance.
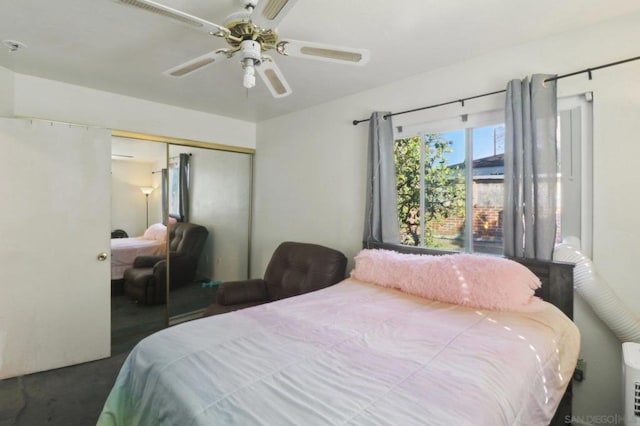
(450, 181)
(576, 169)
(435, 177)
(174, 187)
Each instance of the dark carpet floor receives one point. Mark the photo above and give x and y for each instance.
(75, 395)
(67, 396)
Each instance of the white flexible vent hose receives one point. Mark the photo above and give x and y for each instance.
(624, 323)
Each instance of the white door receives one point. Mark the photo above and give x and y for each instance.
(55, 221)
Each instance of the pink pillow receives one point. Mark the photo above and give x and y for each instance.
(157, 231)
(478, 281)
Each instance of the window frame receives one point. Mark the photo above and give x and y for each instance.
(576, 139)
(466, 123)
(577, 148)
(173, 177)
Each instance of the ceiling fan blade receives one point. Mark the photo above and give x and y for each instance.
(323, 52)
(273, 78)
(169, 12)
(196, 63)
(269, 13)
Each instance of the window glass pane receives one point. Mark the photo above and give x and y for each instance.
(174, 189)
(488, 188)
(569, 182)
(432, 208)
(407, 160)
(444, 190)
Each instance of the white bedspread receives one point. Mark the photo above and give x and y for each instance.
(125, 250)
(354, 354)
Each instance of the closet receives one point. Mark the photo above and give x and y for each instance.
(219, 198)
(220, 183)
(57, 221)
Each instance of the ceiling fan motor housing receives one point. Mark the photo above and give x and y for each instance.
(241, 28)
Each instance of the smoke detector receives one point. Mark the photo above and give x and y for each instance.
(14, 45)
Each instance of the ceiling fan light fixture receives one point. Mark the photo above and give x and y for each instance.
(249, 77)
(250, 56)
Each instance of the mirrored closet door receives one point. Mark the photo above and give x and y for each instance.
(137, 232)
(209, 196)
(184, 210)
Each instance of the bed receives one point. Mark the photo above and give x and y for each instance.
(125, 250)
(356, 353)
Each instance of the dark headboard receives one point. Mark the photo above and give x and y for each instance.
(556, 277)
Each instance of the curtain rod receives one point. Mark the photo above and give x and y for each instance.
(462, 101)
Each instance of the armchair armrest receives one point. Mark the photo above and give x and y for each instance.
(236, 292)
(147, 261)
(150, 261)
(160, 269)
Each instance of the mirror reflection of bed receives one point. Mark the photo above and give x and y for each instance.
(134, 167)
(124, 251)
(218, 198)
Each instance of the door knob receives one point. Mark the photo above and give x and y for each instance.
(102, 256)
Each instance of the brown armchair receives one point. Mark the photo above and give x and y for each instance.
(146, 281)
(294, 268)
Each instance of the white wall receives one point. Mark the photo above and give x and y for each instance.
(310, 167)
(40, 98)
(6, 92)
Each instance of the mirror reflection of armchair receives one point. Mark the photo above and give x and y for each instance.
(146, 281)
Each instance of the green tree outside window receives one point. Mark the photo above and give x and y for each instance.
(443, 185)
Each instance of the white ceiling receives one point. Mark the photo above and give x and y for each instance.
(126, 149)
(105, 45)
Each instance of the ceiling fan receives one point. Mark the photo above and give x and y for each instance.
(249, 33)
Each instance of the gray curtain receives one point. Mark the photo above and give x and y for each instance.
(381, 211)
(165, 195)
(184, 187)
(530, 168)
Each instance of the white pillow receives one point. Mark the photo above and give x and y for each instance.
(157, 231)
